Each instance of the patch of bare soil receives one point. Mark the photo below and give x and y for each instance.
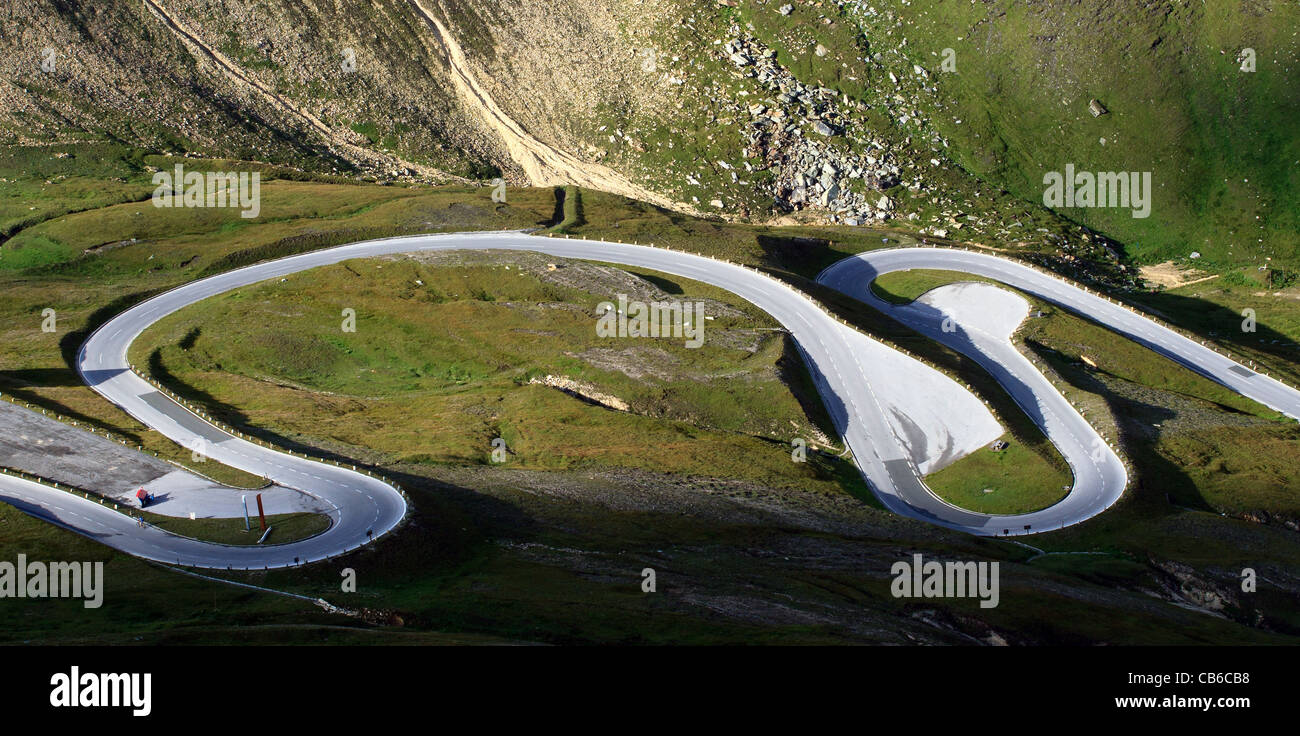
(605, 281)
(637, 361)
(1170, 275)
(543, 164)
(237, 76)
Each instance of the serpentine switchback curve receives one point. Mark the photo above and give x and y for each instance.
(365, 507)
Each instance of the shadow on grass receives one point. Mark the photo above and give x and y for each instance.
(667, 286)
(557, 215)
(70, 343)
(43, 377)
(802, 255)
(18, 384)
(1224, 325)
(1158, 484)
(236, 418)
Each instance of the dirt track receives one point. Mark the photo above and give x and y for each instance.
(251, 85)
(542, 164)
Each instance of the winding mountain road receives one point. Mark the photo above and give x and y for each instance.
(365, 507)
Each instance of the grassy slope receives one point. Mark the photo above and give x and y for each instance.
(138, 597)
(174, 246)
(1221, 143)
(571, 575)
(441, 361)
(443, 573)
(284, 528)
(147, 603)
(49, 181)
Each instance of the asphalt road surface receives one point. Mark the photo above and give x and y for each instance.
(1099, 474)
(366, 507)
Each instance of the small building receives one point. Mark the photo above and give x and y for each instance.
(1096, 108)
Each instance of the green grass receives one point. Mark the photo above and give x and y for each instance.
(1217, 450)
(284, 203)
(442, 359)
(45, 182)
(1221, 143)
(483, 557)
(245, 56)
(1015, 480)
(285, 528)
(369, 130)
(905, 287)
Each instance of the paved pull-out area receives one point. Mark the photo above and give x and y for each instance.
(39, 444)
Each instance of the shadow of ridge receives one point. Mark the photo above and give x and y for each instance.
(557, 215)
(797, 253)
(70, 344)
(239, 420)
(667, 286)
(222, 412)
(59, 408)
(40, 378)
(1224, 323)
(579, 210)
(1156, 483)
(38, 512)
(453, 538)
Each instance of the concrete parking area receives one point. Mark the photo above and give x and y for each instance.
(39, 444)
